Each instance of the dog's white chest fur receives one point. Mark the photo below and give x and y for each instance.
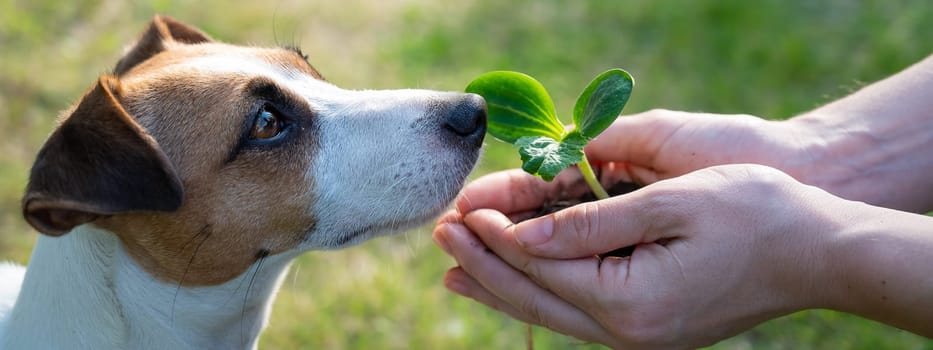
(11, 278)
(84, 286)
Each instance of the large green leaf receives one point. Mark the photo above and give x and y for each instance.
(546, 157)
(517, 106)
(602, 101)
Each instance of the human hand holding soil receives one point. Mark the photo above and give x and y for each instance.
(712, 257)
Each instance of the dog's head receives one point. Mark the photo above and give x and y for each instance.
(203, 157)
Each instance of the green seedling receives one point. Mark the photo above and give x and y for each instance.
(521, 112)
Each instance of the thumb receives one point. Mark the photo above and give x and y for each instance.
(585, 229)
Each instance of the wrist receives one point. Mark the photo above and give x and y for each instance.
(804, 270)
(843, 279)
(802, 148)
(879, 161)
(831, 154)
(878, 268)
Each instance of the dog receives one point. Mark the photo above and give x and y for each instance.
(174, 194)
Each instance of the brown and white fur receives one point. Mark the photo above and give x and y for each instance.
(173, 196)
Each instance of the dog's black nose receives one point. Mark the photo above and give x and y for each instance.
(467, 118)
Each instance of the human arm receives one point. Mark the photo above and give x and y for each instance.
(874, 145)
(719, 251)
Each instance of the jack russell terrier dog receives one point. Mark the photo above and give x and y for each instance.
(173, 196)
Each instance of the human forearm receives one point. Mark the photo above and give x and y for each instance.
(874, 145)
(879, 267)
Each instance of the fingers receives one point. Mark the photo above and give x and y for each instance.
(493, 282)
(459, 281)
(563, 277)
(583, 282)
(450, 217)
(515, 191)
(591, 228)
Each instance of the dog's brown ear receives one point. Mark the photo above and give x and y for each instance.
(161, 30)
(99, 162)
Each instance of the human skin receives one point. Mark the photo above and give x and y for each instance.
(719, 248)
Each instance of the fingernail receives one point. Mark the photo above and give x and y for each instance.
(534, 232)
(440, 238)
(450, 217)
(456, 286)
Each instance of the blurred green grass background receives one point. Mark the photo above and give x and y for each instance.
(771, 58)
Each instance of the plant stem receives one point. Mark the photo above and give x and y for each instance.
(591, 180)
(529, 338)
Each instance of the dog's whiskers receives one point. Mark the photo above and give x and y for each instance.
(261, 257)
(205, 231)
(242, 279)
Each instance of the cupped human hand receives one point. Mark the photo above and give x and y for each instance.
(660, 144)
(717, 251)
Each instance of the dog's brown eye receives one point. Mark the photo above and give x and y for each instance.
(267, 125)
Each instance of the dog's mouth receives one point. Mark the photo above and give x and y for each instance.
(376, 230)
(412, 220)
